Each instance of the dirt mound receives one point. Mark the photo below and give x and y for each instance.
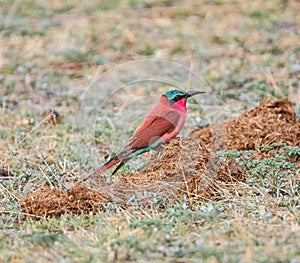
(77, 200)
(183, 166)
(272, 121)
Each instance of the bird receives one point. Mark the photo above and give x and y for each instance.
(160, 125)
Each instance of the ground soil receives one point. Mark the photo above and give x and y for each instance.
(186, 166)
(272, 121)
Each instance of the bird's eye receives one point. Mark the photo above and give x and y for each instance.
(177, 97)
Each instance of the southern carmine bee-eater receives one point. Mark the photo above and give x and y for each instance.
(160, 125)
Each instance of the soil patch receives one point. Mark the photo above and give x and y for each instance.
(183, 166)
(46, 201)
(272, 121)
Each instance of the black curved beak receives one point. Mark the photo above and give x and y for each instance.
(193, 93)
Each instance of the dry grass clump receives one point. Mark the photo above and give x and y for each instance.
(52, 117)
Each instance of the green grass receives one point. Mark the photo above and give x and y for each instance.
(244, 57)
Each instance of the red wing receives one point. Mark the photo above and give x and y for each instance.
(153, 128)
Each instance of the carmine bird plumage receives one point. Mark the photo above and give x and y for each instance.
(160, 125)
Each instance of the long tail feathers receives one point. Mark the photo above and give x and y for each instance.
(121, 158)
(103, 168)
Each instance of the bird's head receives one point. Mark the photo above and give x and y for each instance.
(178, 98)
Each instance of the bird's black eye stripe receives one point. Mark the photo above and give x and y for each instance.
(175, 99)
